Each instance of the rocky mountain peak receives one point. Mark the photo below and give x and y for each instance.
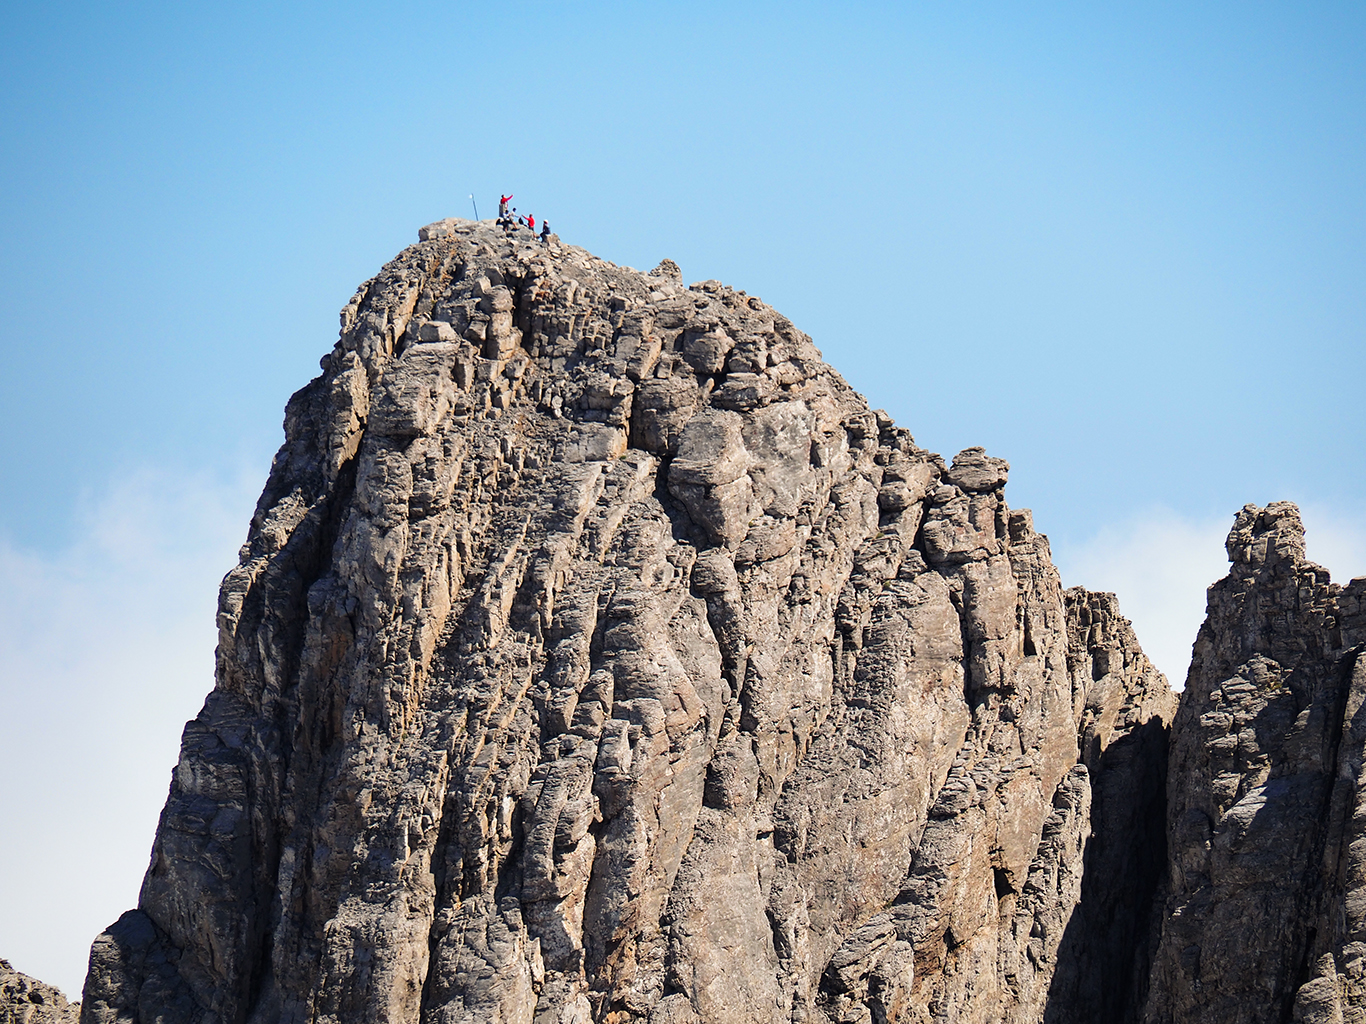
(597, 655)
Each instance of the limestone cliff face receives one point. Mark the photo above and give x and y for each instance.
(596, 654)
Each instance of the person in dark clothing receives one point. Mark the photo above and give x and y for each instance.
(545, 233)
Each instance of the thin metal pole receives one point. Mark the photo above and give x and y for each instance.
(476, 207)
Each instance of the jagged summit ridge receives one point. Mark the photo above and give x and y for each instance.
(25, 1000)
(597, 654)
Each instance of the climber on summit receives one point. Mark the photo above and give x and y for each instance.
(545, 233)
(503, 206)
(531, 223)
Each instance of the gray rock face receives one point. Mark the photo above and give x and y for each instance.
(25, 1000)
(1265, 911)
(596, 654)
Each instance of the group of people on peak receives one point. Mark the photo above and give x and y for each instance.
(508, 220)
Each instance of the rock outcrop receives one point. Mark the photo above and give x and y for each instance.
(596, 654)
(25, 1000)
(1265, 913)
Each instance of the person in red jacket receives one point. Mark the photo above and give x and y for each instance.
(531, 223)
(503, 206)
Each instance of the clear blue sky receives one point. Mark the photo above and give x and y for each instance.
(1121, 245)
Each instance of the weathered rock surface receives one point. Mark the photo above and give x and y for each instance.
(596, 654)
(25, 1000)
(1265, 910)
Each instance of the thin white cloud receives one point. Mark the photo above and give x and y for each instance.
(1160, 563)
(106, 649)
